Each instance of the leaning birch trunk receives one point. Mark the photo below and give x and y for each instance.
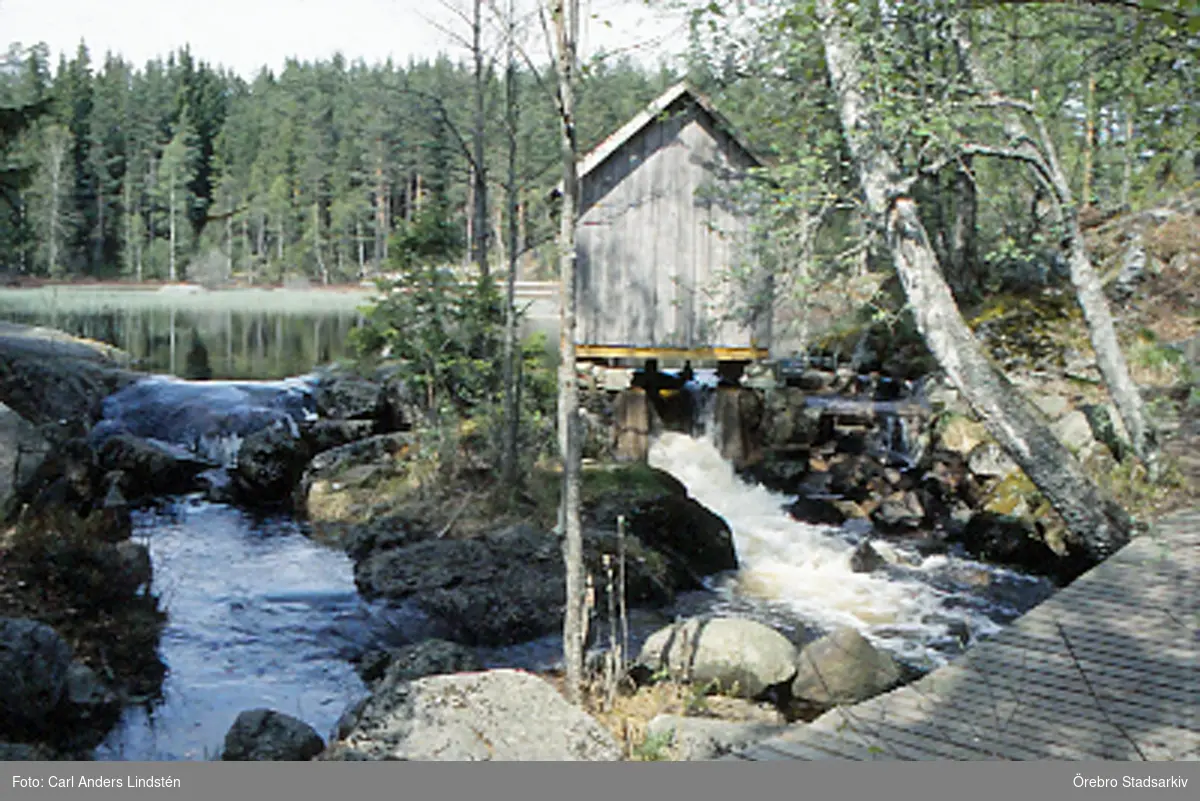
(1097, 526)
(565, 15)
(1089, 292)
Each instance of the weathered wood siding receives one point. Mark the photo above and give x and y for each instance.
(656, 240)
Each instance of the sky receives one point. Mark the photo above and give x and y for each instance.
(245, 35)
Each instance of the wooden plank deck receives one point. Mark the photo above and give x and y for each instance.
(1108, 668)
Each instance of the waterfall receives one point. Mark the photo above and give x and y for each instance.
(914, 607)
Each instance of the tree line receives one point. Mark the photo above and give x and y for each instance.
(180, 169)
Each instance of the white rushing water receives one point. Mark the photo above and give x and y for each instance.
(912, 608)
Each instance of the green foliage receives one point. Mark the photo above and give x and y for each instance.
(655, 748)
(448, 335)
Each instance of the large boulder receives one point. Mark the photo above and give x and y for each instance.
(1018, 542)
(22, 448)
(503, 715)
(324, 435)
(842, 668)
(58, 381)
(661, 515)
(339, 486)
(270, 464)
(150, 467)
(502, 588)
(343, 395)
(35, 663)
(732, 656)
(264, 735)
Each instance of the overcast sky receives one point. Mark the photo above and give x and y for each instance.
(247, 34)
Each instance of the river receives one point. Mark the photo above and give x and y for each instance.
(260, 615)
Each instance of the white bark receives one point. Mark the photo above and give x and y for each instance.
(1089, 291)
(1098, 527)
(511, 410)
(565, 14)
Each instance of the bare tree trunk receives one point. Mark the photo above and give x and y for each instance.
(362, 255)
(512, 420)
(381, 221)
(1088, 290)
(127, 202)
(321, 268)
(246, 242)
(171, 223)
(58, 151)
(1097, 526)
(480, 243)
(963, 254)
(565, 14)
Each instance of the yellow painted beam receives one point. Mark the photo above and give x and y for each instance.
(697, 354)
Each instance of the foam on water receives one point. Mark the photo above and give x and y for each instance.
(913, 608)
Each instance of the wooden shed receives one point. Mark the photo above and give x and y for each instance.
(659, 236)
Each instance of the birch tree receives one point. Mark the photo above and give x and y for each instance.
(51, 192)
(1031, 143)
(1097, 526)
(565, 17)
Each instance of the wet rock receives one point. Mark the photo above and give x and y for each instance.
(732, 656)
(1016, 542)
(686, 531)
(349, 719)
(899, 512)
(662, 516)
(22, 448)
(35, 663)
(857, 478)
(342, 395)
(988, 460)
(264, 735)
(505, 587)
(150, 467)
(47, 376)
(699, 739)
(427, 658)
(842, 668)
(498, 715)
(781, 471)
(270, 464)
(133, 568)
(385, 534)
(821, 511)
(323, 435)
(91, 701)
(866, 559)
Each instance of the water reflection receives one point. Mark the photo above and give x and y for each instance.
(250, 334)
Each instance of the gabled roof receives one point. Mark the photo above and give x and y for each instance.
(648, 115)
(601, 152)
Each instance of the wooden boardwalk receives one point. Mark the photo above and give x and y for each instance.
(1108, 668)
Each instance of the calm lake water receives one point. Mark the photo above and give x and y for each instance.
(222, 334)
